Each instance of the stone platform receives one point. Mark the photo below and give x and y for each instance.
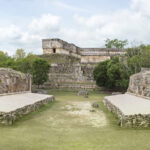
(15, 106)
(132, 111)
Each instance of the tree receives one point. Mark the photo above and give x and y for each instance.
(116, 43)
(112, 74)
(118, 74)
(40, 70)
(145, 56)
(100, 74)
(5, 59)
(20, 54)
(134, 64)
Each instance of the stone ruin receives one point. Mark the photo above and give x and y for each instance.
(140, 84)
(72, 66)
(12, 81)
(133, 107)
(16, 98)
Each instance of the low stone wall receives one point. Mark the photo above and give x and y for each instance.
(70, 86)
(9, 118)
(139, 120)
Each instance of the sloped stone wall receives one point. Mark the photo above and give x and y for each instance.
(13, 81)
(71, 75)
(140, 84)
(8, 118)
(130, 121)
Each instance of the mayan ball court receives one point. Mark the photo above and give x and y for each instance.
(16, 98)
(133, 107)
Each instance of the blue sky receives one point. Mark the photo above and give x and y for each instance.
(87, 23)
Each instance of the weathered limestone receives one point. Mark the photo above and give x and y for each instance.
(71, 66)
(132, 111)
(12, 81)
(133, 108)
(83, 93)
(16, 98)
(140, 84)
(13, 107)
(87, 55)
(71, 76)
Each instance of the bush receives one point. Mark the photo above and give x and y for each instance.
(100, 74)
(40, 71)
(112, 74)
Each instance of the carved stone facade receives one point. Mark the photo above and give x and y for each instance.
(71, 66)
(13, 81)
(71, 76)
(87, 55)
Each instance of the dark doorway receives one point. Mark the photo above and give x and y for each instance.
(54, 50)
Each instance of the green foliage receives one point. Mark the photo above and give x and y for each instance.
(145, 56)
(20, 54)
(26, 63)
(100, 73)
(40, 71)
(112, 74)
(118, 76)
(115, 73)
(138, 57)
(133, 51)
(116, 43)
(134, 64)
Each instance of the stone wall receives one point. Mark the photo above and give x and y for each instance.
(58, 46)
(93, 59)
(13, 81)
(71, 75)
(87, 55)
(8, 118)
(73, 68)
(140, 84)
(139, 120)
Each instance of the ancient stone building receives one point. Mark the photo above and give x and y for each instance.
(87, 55)
(71, 66)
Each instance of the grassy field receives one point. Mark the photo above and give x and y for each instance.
(64, 126)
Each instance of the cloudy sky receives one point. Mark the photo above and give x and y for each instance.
(87, 23)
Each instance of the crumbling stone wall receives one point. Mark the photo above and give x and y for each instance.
(13, 81)
(139, 120)
(71, 75)
(140, 84)
(87, 55)
(8, 118)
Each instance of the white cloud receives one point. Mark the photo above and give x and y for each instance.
(132, 24)
(9, 33)
(141, 6)
(30, 37)
(46, 23)
(69, 7)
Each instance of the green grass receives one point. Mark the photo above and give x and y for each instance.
(38, 131)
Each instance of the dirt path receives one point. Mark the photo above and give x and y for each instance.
(81, 113)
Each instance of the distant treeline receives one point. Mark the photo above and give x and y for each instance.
(115, 73)
(26, 63)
